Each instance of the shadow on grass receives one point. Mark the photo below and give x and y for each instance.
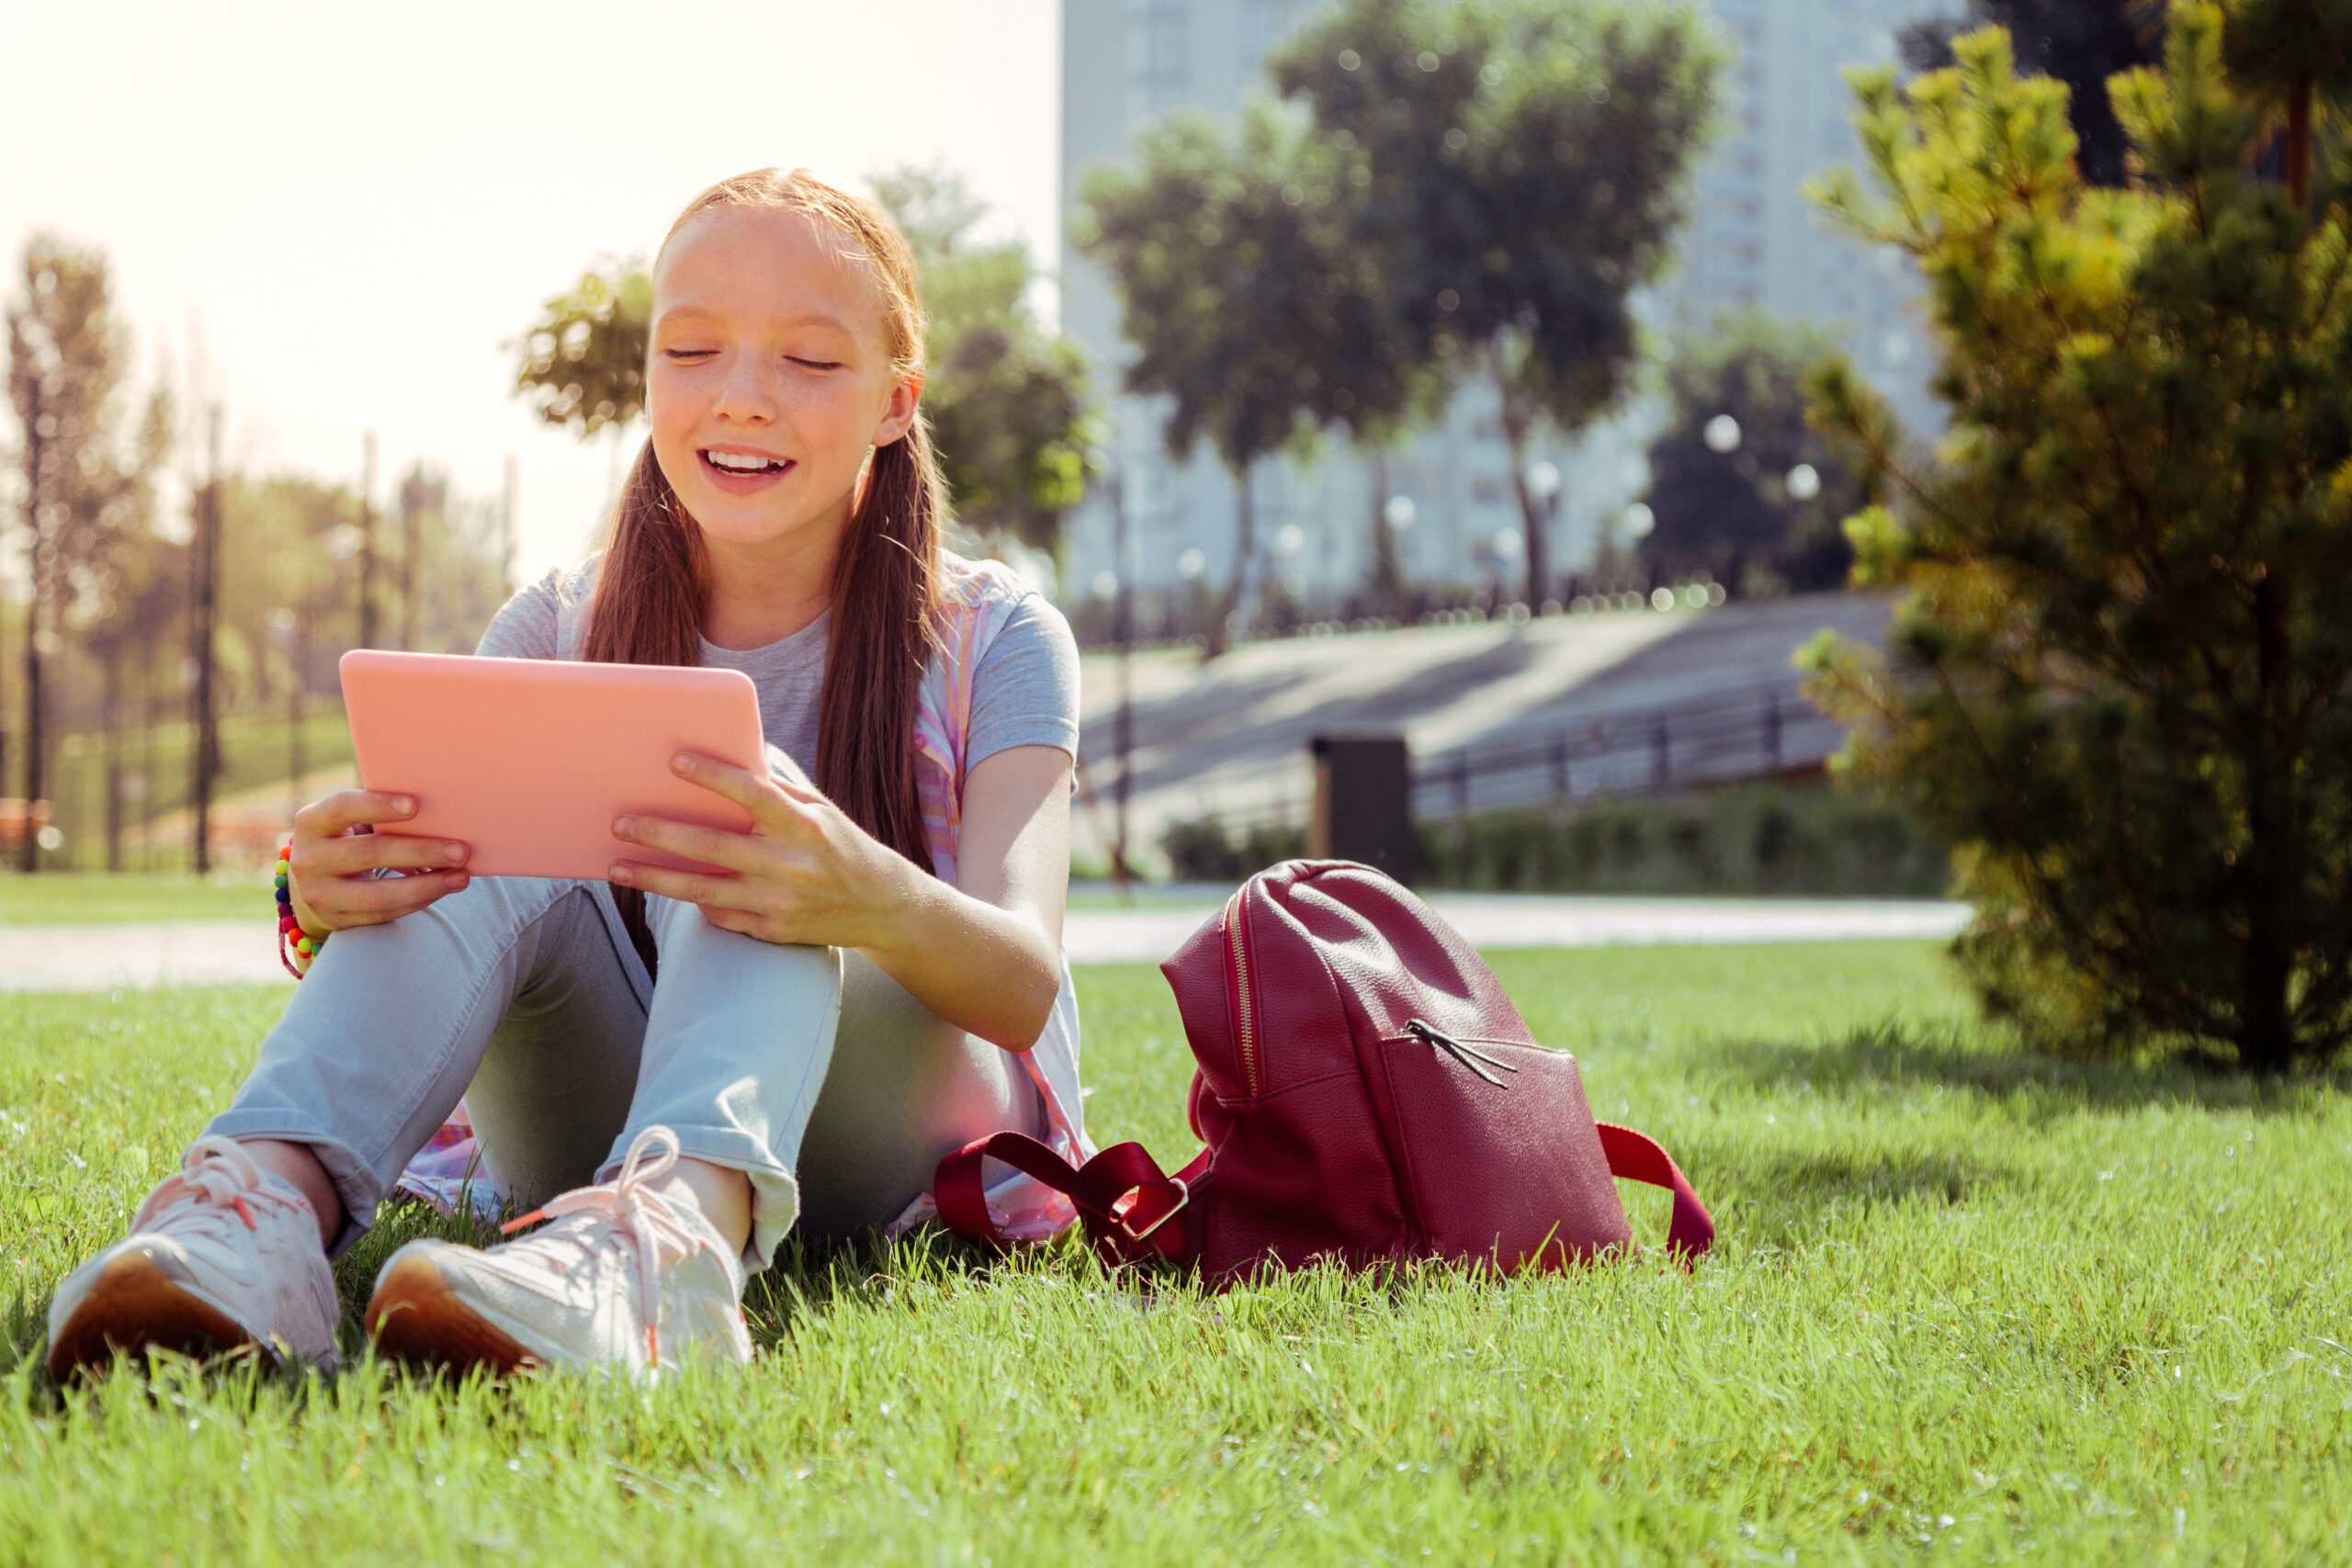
(811, 1275)
(1895, 1058)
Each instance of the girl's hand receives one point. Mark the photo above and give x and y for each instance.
(336, 848)
(805, 874)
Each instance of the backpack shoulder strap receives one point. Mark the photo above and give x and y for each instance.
(1635, 1156)
(1125, 1197)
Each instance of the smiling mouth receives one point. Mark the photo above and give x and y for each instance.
(744, 465)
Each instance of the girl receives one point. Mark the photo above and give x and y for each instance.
(675, 1066)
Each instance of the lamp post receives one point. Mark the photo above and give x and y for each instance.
(1122, 633)
(285, 631)
(1544, 484)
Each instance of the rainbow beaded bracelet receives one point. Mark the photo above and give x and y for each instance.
(296, 947)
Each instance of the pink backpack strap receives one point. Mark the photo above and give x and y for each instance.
(1635, 1156)
(1123, 1197)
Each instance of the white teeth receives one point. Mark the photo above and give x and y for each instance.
(738, 462)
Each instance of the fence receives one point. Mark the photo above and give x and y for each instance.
(1764, 731)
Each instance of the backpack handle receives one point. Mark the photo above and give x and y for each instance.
(1125, 1197)
(1636, 1156)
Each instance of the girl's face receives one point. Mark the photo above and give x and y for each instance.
(769, 381)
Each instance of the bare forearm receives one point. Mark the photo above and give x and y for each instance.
(990, 971)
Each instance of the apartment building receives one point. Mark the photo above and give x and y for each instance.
(1755, 240)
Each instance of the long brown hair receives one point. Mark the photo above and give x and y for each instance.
(653, 586)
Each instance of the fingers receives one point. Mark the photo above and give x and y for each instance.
(390, 898)
(775, 806)
(350, 809)
(735, 851)
(345, 902)
(709, 890)
(398, 851)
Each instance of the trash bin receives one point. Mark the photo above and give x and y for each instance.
(1364, 802)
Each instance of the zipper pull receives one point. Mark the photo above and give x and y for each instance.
(1467, 1056)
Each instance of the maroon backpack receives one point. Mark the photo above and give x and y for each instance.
(1367, 1093)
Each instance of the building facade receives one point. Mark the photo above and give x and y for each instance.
(1755, 241)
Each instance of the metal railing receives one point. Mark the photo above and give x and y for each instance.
(1761, 732)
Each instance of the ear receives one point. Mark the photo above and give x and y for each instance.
(899, 414)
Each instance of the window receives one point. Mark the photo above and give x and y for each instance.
(1156, 56)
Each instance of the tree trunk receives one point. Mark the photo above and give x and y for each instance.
(2266, 1037)
(2299, 144)
(1245, 547)
(36, 717)
(1387, 581)
(113, 741)
(36, 531)
(1516, 418)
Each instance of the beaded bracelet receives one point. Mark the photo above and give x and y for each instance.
(296, 947)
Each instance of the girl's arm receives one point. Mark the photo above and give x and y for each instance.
(985, 956)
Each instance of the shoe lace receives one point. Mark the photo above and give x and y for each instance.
(218, 1176)
(629, 1205)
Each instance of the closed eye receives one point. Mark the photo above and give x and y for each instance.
(688, 354)
(815, 364)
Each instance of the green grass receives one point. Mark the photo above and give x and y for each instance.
(254, 756)
(97, 897)
(1966, 1307)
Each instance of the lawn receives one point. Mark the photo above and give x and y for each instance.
(97, 897)
(1965, 1307)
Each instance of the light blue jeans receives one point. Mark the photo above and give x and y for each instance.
(806, 1069)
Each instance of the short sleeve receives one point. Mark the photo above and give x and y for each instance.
(1025, 691)
(525, 626)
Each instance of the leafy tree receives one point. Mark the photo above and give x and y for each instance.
(2078, 42)
(1523, 165)
(86, 471)
(1731, 505)
(1236, 284)
(2118, 680)
(1011, 405)
(583, 363)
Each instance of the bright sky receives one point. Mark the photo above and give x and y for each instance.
(334, 216)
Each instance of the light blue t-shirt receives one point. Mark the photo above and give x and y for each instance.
(1025, 689)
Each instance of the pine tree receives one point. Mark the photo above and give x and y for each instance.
(2118, 680)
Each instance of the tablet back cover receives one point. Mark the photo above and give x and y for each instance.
(528, 761)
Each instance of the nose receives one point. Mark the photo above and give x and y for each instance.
(745, 397)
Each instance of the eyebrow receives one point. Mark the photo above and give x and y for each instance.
(805, 319)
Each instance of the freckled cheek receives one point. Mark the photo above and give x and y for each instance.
(828, 427)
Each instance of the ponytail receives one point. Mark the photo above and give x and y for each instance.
(885, 597)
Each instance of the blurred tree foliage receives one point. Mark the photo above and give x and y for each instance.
(1523, 168)
(1249, 309)
(88, 462)
(1736, 514)
(1008, 403)
(583, 363)
(2119, 681)
(1011, 405)
(2079, 42)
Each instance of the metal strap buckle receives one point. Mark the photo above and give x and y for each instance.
(1184, 1196)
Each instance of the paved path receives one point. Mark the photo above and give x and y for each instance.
(96, 958)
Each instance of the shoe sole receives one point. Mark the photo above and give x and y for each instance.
(415, 1316)
(134, 1305)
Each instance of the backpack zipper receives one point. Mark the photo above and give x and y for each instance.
(1469, 1056)
(1245, 1030)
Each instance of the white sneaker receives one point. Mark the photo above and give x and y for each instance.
(623, 1278)
(219, 1255)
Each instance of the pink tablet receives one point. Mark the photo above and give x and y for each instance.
(528, 761)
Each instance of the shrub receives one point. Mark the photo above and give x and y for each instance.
(2118, 683)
